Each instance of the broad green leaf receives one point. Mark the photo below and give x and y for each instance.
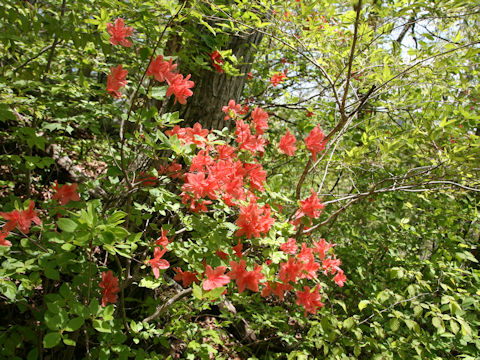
(51, 339)
(74, 324)
(394, 324)
(363, 304)
(67, 225)
(197, 292)
(102, 326)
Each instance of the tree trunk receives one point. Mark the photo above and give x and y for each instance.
(213, 90)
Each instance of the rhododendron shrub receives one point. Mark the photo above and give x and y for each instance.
(201, 215)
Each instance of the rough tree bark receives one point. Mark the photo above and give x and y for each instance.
(213, 90)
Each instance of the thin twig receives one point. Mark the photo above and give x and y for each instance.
(350, 60)
(122, 294)
(54, 45)
(161, 308)
(45, 49)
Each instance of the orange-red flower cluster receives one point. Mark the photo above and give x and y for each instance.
(109, 287)
(66, 193)
(22, 219)
(215, 278)
(157, 263)
(254, 220)
(244, 278)
(287, 144)
(217, 61)
(116, 80)
(315, 141)
(119, 33)
(278, 78)
(163, 70)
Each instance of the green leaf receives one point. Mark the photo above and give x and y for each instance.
(466, 329)
(215, 293)
(108, 312)
(51, 339)
(102, 326)
(53, 320)
(94, 306)
(149, 283)
(197, 292)
(394, 324)
(348, 323)
(51, 272)
(32, 354)
(454, 326)
(357, 350)
(69, 342)
(74, 324)
(413, 325)
(8, 289)
(6, 113)
(159, 92)
(67, 225)
(417, 311)
(116, 218)
(363, 304)
(438, 324)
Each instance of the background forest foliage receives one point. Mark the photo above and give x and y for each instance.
(394, 87)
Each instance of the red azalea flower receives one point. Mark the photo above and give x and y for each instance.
(315, 141)
(277, 78)
(321, 248)
(244, 278)
(254, 220)
(4, 242)
(174, 170)
(287, 144)
(260, 117)
(186, 277)
(180, 87)
(221, 254)
(290, 247)
(312, 206)
(110, 288)
(161, 70)
(197, 135)
(215, 278)
(231, 109)
(277, 288)
(157, 263)
(66, 193)
(310, 300)
(237, 249)
(145, 179)
(201, 162)
(290, 270)
(119, 33)
(256, 175)
(116, 80)
(23, 219)
(200, 186)
(162, 240)
(331, 265)
(340, 278)
(217, 61)
(225, 152)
